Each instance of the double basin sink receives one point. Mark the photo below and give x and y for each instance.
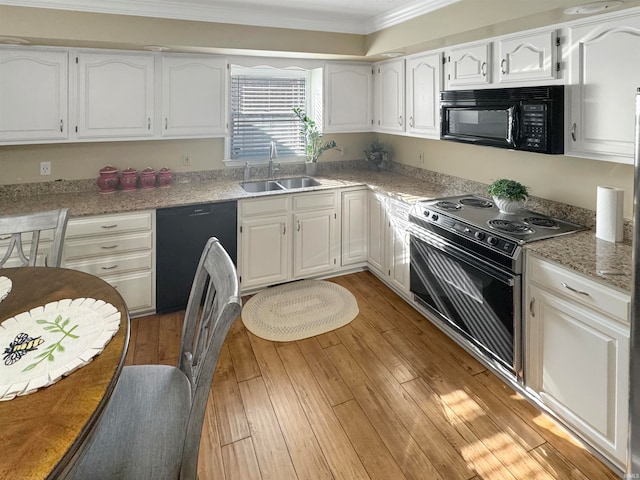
(279, 184)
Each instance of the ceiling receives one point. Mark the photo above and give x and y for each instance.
(346, 16)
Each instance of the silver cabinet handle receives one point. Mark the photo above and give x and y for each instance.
(110, 247)
(148, 123)
(166, 123)
(579, 292)
(110, 268)
(532, 312)
(400, 120)
(503, 64)
(573, 132)
(411, 121)
(483, 69)
(62, 125)
(298, 225)
(284, 229)
(114, 225)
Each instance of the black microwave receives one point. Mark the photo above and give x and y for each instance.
(526, 118)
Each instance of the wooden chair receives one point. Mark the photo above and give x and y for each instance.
(34, 223)
(152, 424)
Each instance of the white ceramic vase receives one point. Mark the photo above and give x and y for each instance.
(508, 206)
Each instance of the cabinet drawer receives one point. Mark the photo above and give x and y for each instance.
(278, 204)
(136, 290)
(399, 209)
(108, 224)
(577, 287)
(314, 201)
(113, 264)
(107, 245)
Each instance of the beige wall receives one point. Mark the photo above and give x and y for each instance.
(555, 177)
(76, 161)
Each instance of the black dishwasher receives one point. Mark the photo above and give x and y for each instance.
(182, 234)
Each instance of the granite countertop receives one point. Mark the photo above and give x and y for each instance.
(580, 251)
(606, 262)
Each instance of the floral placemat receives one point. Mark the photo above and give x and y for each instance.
(44, 344)
(5, 287)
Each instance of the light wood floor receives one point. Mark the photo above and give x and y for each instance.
(386, 397)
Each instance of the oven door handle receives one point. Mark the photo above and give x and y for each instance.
(456, 253)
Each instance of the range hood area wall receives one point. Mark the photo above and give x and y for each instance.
(563, 179)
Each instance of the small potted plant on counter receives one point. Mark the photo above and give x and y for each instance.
(508, 195)
(314, 147)
(378, 154)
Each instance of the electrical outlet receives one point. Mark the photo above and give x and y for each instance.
(186, 160)
(45, 168)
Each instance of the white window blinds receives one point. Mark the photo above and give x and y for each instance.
(262, 112)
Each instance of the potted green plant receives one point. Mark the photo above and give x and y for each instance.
(378, 154)
(508, 195)
(314, 146)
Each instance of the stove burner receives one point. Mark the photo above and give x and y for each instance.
(543, 222)
(476, 202)
(447, 205)
(510, 226)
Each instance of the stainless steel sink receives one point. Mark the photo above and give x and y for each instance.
(280, 184)
(298, 182)
(261, 186)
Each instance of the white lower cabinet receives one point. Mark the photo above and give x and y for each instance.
(578, 353)
(120, 250)
(354, 227)
(388, 243)
(287, 237)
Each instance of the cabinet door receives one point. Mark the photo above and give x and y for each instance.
(578, 362)
(263, 251)
(115, 95)
(33, 95)
(348, 98)
(604, 79)
(527, 57)
(424, 80)
(469, 65)
(377, 231)
(354, 227)
(314, 246)
(194, 96)
(398, 269)
(389, 81)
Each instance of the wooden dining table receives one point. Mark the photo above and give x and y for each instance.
(42, 433)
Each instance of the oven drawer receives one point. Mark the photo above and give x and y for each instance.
(573, 285)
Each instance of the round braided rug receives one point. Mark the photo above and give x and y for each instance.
(298, 310)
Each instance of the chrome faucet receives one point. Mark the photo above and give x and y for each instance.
(273, 153)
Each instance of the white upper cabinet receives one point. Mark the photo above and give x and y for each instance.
(423, 84)
(194, 96)
(469, 65)
(389, 95)
(115, 95)
(348, 94)
(605, 73)
(33, 95)
(523, 58)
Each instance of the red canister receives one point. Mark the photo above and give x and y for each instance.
(164, 177)
(148, 178)
(128, 179)
(108, 179)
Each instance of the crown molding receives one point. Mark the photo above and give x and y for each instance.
(257, 16)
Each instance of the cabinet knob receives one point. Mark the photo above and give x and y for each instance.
(503, 64)
(483, 69)
(573, 132)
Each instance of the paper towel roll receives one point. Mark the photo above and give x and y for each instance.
(609, 203)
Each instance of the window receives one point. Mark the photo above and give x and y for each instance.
(262, 103)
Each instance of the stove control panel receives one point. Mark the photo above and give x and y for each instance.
(482, 237)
